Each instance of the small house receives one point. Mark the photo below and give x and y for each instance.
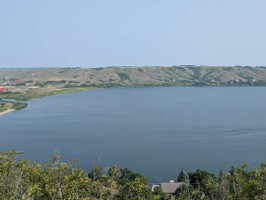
(169, 187)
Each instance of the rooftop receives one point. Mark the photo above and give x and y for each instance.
(170, 187)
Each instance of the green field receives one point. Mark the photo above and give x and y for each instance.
(5, 105)
(42, 92)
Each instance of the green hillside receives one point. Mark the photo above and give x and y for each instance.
(136, 76)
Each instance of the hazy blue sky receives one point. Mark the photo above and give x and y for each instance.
(84, 33)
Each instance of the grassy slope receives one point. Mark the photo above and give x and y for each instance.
(65, 80)
(131, 76)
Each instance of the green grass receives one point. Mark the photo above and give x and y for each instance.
(33, 94)
(6, 105)
(42, 92)
(123, 76)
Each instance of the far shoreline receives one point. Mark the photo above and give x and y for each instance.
(83, 89)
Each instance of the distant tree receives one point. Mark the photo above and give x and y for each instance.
(128, 175)
(96, 172)
(202, 180)
(141, 177)
(113, 172)
(125, 175)
(183, 177)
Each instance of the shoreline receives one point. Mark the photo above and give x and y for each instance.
(6, 111)
(98, 88)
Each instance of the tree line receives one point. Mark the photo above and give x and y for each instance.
(21, 179)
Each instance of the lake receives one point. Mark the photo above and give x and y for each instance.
(154, 131)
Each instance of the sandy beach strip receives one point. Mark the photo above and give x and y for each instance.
(6, 111)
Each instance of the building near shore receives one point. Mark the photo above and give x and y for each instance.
(169, 187)
(33, 88)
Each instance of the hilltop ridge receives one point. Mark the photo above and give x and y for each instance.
(31, 83)
(188, 75)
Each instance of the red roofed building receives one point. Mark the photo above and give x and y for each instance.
(2, 89)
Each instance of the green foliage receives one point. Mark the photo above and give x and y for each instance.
(188, 192)
(135, 190)
(18, 106)
(123, 76)
(200, 179)
(51, 180)
(5, 105)
(158, 194)
(113, 172)
(127, 176)
(239, 183)
(183, 177)
(245, 184)
(181, 69)
(96, 172)
(46, 83)
(42, 92)
(21, 179)
(196, 72)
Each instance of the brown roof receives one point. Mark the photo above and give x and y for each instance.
(170, 188)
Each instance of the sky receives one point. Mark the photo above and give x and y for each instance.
(101, 33)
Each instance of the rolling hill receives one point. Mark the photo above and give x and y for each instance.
(188, 75)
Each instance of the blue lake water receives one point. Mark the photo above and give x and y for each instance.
(154, 131)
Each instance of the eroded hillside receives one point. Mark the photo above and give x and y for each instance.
(136, 76)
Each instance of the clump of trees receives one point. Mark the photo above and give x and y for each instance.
(21, 179)
(19, 105)
(238, 183)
